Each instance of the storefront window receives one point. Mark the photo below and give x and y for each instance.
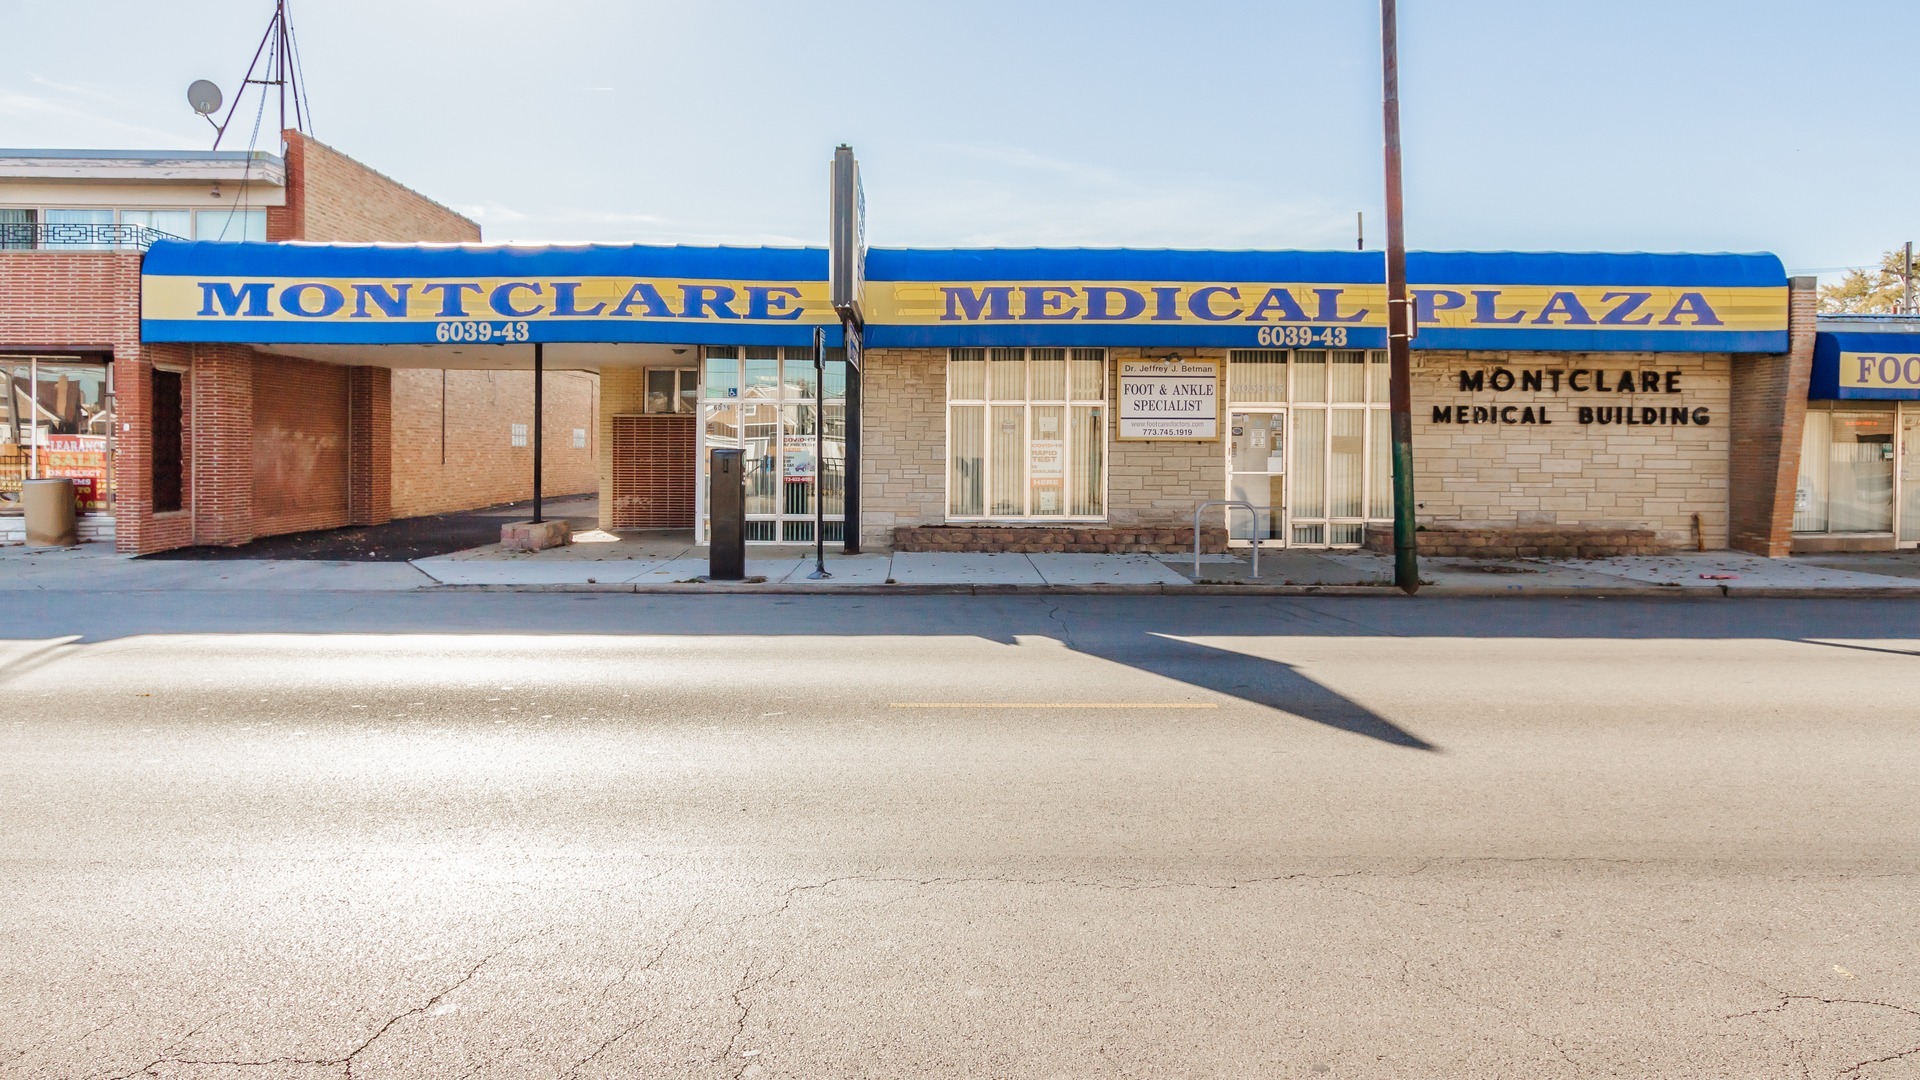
(56, 421)
(16, 429)
(1026, 433)
(1846, 479)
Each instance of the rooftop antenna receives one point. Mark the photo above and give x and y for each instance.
(281, 72)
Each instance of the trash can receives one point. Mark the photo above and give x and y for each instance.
(49, 507)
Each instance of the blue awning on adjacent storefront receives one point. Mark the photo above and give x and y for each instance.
(1865, 362)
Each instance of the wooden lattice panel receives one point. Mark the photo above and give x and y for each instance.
(653, 472)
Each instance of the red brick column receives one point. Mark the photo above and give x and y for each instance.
(370, 446)
(220, 433)
(1769, 412)
(137, 529)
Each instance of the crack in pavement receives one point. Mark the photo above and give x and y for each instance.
(1066, 632)
(666, 945)
(1517, 1021)
(1787, 1000)
(1854, 1069)
(166, 1053)
(430, 1003)
(747, 985)
(169, 1057)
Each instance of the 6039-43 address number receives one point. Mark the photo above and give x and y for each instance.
(1332, 337)
(477, 330)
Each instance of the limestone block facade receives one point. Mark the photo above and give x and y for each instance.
(903, 458)
(1611, 472)
(1559, 471)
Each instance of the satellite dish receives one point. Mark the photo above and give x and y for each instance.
(203, 96)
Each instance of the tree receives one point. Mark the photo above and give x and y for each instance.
(1881, 291)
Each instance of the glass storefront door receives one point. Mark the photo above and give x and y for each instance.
(1322, 415)
(762, 400)
(1257, 474)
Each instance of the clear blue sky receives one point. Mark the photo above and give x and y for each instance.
(1699, 125)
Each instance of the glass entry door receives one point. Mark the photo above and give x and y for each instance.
(1257, 473)
(1909, 472)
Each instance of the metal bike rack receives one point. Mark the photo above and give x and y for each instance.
(1252, 510)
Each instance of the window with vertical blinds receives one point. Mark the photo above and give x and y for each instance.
(1339, 461)
(1026, 433)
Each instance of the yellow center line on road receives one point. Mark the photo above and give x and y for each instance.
(1049, 705)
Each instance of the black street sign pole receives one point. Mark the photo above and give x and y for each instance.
(850, 460)
(846, 277)
(1400, 328)
(539, 387)
(819, 455)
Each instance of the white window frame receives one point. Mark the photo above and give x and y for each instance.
(1026, 403)
(1901, 410)
(1376, 412)
(120, 213)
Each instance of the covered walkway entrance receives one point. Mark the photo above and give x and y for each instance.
(695, 349)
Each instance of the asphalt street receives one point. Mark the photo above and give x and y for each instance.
(496, 835)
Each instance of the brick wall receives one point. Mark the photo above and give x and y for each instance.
(265, 444)
(461, 455)
(623, 392)
(1566, 473)
(137, 529)
(369, 446)
(89, 302)
(654, 472)
(299, 451)
(1769, 403)
(333, 198)
(220, 427)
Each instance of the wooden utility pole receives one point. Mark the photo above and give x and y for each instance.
(1400, 326)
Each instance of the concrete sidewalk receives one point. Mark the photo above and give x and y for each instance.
(668, 563)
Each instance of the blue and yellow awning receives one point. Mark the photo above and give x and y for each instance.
(422, 293)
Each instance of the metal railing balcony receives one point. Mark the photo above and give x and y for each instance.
(62, 236)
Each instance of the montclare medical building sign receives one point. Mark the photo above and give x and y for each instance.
(1581, 387)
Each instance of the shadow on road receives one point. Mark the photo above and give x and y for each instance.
(1255, 679)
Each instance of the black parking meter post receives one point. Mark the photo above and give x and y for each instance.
(727, 516)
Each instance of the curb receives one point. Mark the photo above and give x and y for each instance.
(1442, 592)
